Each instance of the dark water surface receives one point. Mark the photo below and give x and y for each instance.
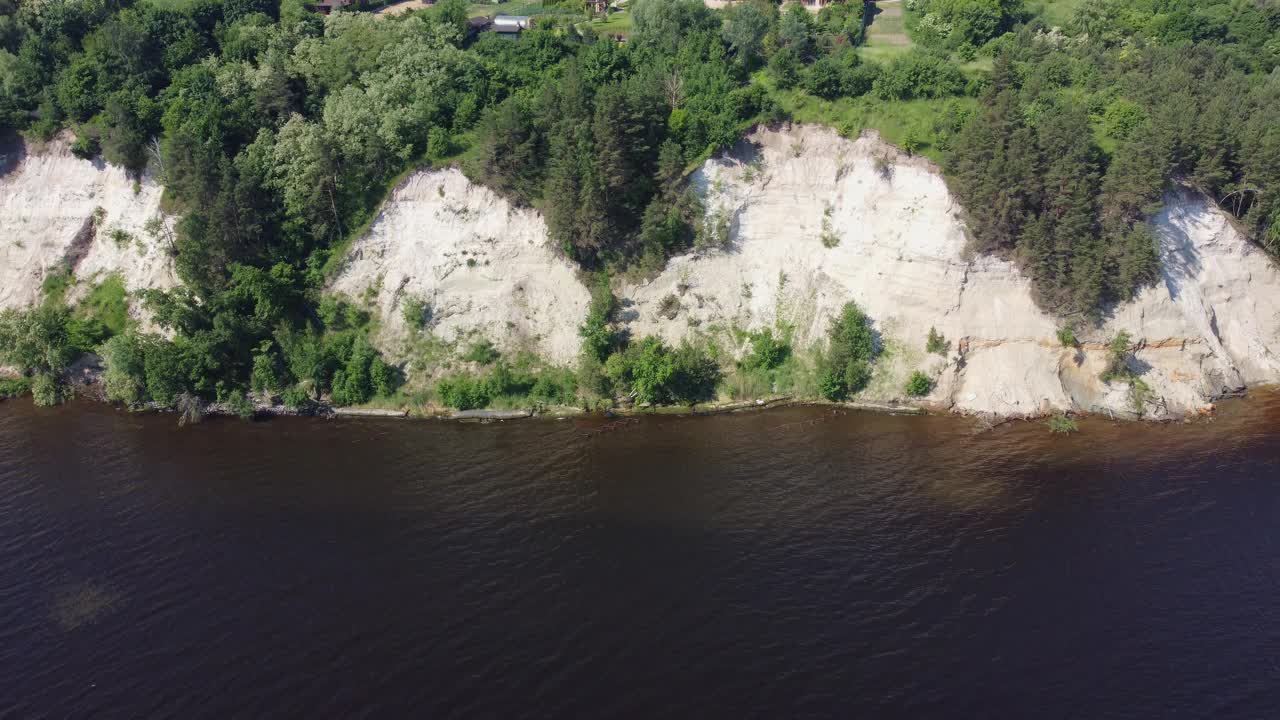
(785, 564)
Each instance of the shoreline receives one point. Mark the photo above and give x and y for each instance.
(489, 415)
(87, 386)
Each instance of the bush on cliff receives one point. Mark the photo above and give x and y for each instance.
(521, 383)
(651, 372)
(844, 368)
(918, 385)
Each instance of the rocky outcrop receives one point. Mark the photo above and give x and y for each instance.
(61, 213)
(485, 270)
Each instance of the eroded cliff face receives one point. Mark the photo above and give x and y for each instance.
(484, 269)
(895, 243)
(60, 213)
(814, 221)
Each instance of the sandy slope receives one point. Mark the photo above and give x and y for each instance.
(49, 199)
(486, 269)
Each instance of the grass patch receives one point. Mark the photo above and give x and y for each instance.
(56, 284)
(108, 302)
(618, 23)
(898, 121)
(882, 54)
(1062, 425)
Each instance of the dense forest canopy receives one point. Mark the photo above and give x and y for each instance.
(1080, 133)
(277, 131)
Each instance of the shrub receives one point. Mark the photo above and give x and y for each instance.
(362, 377)
(918, 385)
(766, 351)
(829, 236)
(265, 374)
(1118, 358)
(669, 308)
(416, 312)
(1122, 118)
(482, 353)
(236, 402)
(597, 338)
(825, 79)
(831, 385)
(37, 340)
(164, 368)
(555, 387)
(14, 387)
(85, 333)
(86, 146)
(464, 392)
(121, 238)
(714, 230)
(296, 397)
(654, 373)
(861, 80)
(124, 375)
(1067, 337)
(1140, 395)
(46, 390)
(338, 315)
(919, 74)
(1062, 425)
(937, 342)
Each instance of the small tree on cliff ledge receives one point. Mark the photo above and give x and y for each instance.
(845, 368)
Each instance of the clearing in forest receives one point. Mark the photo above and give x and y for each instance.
(1056, 12)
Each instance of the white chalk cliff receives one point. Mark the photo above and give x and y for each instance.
(488, 270)
(484, 269)
(59, 211)
(1211, 327)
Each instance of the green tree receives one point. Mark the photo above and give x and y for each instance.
(124, 370)
(845, 368)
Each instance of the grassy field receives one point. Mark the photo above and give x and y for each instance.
(618, 23)
(895, 120)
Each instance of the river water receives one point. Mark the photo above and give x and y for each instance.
(791, 563)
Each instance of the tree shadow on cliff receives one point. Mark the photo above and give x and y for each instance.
(12, 151)
(1179, 258)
